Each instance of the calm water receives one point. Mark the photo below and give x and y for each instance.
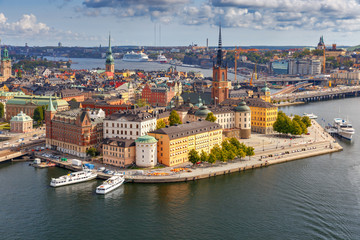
(314, 198)
(93, 63)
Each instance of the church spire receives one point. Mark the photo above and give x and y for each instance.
(50, 106)
(109, 51)
(219, 53)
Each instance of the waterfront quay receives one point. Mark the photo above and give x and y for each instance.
(269, 149)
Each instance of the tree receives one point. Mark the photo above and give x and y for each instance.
(249, 152)
(210, 117)
(174, 118)
(194, 156)
(73, 100)
(1, 110)
(211, 159)
(203, 156)
(141, 102)
(38, 114)
(92, 152)
(306, 120)
(160, 124)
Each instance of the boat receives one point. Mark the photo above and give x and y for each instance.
(310, 115)
(135, 57)
(344, 128)
(72, 178)
(161, 58)
(111, 184)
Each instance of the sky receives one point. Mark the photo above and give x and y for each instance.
(179, 22)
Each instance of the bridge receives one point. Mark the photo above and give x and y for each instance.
(324, 94)
(292, 88)
(16, 152)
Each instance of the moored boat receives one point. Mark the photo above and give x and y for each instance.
(344, 128)
(310, 115)
(75, 177)
(112, 183)
(135, 57)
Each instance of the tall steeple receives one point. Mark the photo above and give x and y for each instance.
(50, 107)
(219, 52)
(109, 64)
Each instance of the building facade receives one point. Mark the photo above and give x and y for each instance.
(5, 67)
(129, 124)
(21, 123)
(158, 96)
(72, 131)
(175, 142)
(146, 151)
(118, 152)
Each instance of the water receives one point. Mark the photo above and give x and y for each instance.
(93, 63)
(314, 198)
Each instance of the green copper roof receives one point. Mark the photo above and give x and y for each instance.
(242, 107)
(51, 106)
(6, 55)
(202, 112)
(109, 56)
(146, 139)
(37, 100)
(21, 117)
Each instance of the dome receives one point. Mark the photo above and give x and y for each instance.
(202, 112)
(200, 103)
(265, 89)
(178, 98)
(21, 117)
(146, 139)
(242, 107)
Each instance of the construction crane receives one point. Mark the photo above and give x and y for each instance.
(324, 68)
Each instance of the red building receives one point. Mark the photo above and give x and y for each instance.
(220, 85)
(159, 96)
(72, 131)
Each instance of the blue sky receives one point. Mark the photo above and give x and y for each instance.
(182, 22)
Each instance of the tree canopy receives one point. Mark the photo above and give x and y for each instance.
(295, 126)
(160, 124)
(210, 117)
(174, 118)
(38, 114)
(2, 110)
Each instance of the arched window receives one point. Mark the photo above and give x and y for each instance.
(223, 76)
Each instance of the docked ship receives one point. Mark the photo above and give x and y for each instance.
(341, 128)
(72, 178)
(310, 115)
(111, 184)
(161, 58)
(135, 57)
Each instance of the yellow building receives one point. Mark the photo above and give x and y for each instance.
(175, 142)
(263, 115)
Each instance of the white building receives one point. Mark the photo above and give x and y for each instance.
(129, 124)
(146, 151)
(304, 67)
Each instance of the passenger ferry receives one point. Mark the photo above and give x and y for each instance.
(344, 128)
(161, 58)
(111, 184)
(135, 57)
(75, 177)
(310, 115)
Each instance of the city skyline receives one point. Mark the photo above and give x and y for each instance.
(178, 23)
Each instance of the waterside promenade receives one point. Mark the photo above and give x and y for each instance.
(269, 150)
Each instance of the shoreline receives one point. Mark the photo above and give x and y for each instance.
(277, 151)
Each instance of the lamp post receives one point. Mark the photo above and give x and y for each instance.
(263, 145)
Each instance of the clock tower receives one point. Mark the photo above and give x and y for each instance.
(5, 69)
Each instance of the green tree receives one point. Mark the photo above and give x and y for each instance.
(296, 129)
(174, 118)
(210, 117)
(38, 114)
(160, 124)
(194, 156)
(2, 110)
(73, 100)
(307, 121)
(92, 152)
(204, 156)
(249, 152)
(211, 159)
(216, 151)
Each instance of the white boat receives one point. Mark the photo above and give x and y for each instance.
(344, 128)
(111, 184)
(161, 58)
(135, 57)
(310, 115)
(75, 177)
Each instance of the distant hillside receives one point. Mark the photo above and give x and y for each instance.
(353, 48)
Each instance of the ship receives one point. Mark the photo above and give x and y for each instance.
(135, 57)
(310, 115)
(112, 183)
(341, 128)
(72, 178)
(161, 58)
